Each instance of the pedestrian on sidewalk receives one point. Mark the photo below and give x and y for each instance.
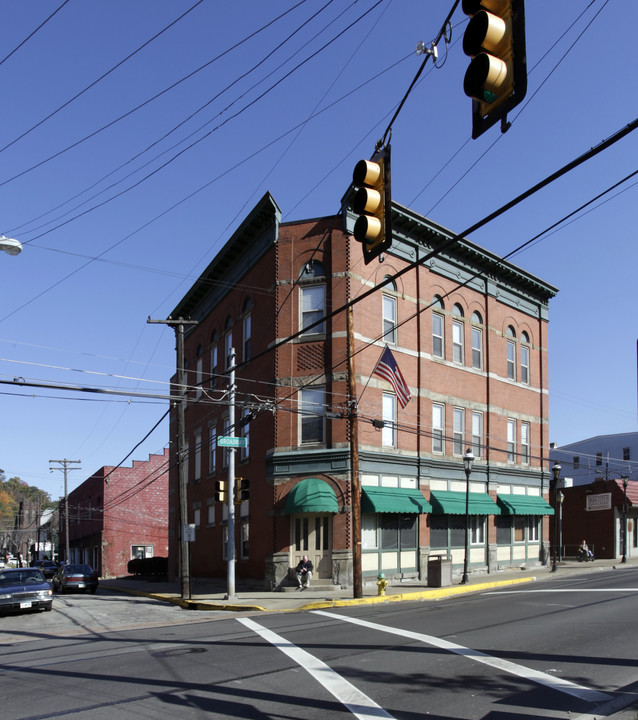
(304, 572)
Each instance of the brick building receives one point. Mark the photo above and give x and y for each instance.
(469, 334)
(118, 514)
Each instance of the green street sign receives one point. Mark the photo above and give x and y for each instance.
(236, 442)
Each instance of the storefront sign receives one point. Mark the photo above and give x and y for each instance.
(602, 501)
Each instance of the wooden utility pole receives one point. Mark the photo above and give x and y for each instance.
(65, 468)
(184, 559)
(357, 577)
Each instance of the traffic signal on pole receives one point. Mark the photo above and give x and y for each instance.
(242, 489)
(221, 490)
(496, 78)
(372, 203)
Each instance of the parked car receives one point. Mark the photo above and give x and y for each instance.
(75, 576)
(24, 589)
(48, 567)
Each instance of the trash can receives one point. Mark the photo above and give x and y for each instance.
(439, 570)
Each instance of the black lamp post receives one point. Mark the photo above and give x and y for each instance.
(556, 472)
(468, 461)
(625, 482)
(561, 497)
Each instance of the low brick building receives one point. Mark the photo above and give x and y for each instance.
(118, 514)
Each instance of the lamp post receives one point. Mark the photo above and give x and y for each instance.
(625, 482)
(556, 472)
(468, 461)
(561, 497)
(10, 245)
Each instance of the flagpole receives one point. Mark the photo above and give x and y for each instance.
(357, 579)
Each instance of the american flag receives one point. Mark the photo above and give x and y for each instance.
(388, 369)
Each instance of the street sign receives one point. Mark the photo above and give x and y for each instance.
(189, 532)
(235, 442)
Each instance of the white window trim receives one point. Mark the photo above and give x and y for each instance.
(390, 335)
(388, 433)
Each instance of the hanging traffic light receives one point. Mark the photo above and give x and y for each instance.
(496, 78)
(242, 489)
(221, 490)
(372, 203)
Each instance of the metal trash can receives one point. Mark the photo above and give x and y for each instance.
(439, 570)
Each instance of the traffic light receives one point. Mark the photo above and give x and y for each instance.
(221, 490)
(496, 78)
(242, 489)
(372, 202)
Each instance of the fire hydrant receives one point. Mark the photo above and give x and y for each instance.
(382, 584)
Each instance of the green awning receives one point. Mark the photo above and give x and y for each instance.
(311, 495)
(524, 505)
(449, 502)
(393, 500)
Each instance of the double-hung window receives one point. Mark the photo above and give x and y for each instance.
(477, 342)
(458, 345)
(214, 365)
(312, 415)
(438, 337)
(525, 443)
(388, 434)
(438, 425)
(313, 304)
(511, 354)
(228, 343)
(212, 449)
(477, 434)
(246, 325)
(389, 319)
(458, 430)
(198, 456)
(524, 358)
(511, 441)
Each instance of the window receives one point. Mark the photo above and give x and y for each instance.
(438, 344)
(477, 348)
(533, 523)
(520, 523)
(212, 450)
(438, 425)
(211, 514)
(214, 365)
(626, 454)
(389, 319)
(311, 413)
(511, 354)
(511, 441)
(197, 516)
(388, 434)
(576, 462)
(477, 434)
(525, 443)
(198, 456)
(458, 431)
(477, 529)
(369, 531)
(457, 342)
(247, 336)
(245, 432)
(199, 372)
(525, 358)
(599, 459)
(228, 343)
(313, 303)
(503, 529)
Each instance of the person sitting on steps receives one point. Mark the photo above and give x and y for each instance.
(304, 572)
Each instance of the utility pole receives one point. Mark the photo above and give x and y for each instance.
(184, 560)
(231, 477)
(65, 468)
(357, 575)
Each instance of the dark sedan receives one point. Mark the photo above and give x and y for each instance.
(74, 576)
(48, 567)
(24, 589)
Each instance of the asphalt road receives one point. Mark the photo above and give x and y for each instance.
(564, 649)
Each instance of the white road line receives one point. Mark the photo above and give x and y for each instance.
(359, 704)
(561, 590)
(565, 686)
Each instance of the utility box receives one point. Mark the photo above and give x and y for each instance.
(439, 570)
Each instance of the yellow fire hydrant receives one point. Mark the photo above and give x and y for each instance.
(382, 584)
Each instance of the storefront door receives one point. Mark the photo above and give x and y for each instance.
(311, 535)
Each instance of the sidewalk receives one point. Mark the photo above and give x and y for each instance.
(212, 594)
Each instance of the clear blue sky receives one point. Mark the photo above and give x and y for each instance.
(122, 194)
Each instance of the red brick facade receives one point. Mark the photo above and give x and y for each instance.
(484, 376)
(117, 514)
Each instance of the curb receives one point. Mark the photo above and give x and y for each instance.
(438, 594)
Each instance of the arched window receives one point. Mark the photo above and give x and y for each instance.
(311, 270)
(438, 325)
(246, 328)
(525, 356)
(511, 352)
(477, 341)
(458, 340)
(228, 341)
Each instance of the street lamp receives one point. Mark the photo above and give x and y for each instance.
(10, 245)
(556, 472)
(468, 461)
(561, 497)
(625, 482)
